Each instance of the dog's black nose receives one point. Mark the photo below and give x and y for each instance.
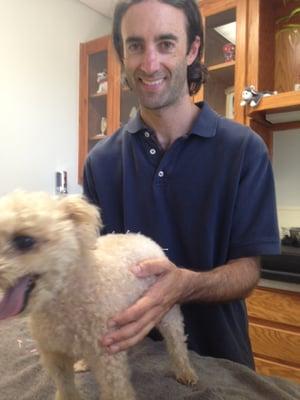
(23, 242)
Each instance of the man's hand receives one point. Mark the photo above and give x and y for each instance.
(228, 282)
(133, 324)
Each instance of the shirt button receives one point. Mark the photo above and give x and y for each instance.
(147, 134)
(152, 151)
(161, 174)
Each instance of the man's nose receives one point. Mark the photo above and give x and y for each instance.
(150, 61)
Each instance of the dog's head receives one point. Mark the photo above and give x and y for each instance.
(42, 239)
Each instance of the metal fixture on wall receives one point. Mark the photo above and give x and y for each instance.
(61, 183)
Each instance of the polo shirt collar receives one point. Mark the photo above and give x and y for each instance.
(205, 125)
(136, 124)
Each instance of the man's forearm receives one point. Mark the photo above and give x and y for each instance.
(232, 281)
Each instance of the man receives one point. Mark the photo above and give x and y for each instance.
(198, 184)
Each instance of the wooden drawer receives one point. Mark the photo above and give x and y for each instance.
(275, 343)
(274, 328)
(275, 306)
(273, 368)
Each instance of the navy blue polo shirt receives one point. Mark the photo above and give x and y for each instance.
(209, 198)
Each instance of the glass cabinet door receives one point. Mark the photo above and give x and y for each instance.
(224, 55)
(220, 34)
(97, 97)
(128, 103)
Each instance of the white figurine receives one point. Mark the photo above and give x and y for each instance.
(102, 82)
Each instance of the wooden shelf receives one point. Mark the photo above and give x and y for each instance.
(288, 102)
(96, 95)
(224, 65)
(98, 137)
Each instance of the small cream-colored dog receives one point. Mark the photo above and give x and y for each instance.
(54, 267)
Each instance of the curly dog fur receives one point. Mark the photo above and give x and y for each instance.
(55, 268)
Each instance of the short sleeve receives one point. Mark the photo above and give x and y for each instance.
(89, 187)
(255, 226)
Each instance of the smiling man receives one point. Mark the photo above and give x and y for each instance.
(198, 184)
(155, 59)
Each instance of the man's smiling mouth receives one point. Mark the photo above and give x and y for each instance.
(152, 84)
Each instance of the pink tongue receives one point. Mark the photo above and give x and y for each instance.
(14, 298)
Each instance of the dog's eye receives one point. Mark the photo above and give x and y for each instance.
(22, 242)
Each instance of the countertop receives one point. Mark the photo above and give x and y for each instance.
(268, 283)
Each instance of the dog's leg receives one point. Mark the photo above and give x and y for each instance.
(172, 329)
(113, 376)
(60, 368)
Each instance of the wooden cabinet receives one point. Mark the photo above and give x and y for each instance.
(97, 115)
(274, 317)
(264, 58)
(274, 57)
(273, 51)
(103, 104)
(224, 25)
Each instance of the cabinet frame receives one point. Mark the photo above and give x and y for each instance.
(112, 96)
(213, 7)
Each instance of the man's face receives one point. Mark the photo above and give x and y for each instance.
(155, 53)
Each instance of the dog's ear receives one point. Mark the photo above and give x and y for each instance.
(80, 210)
(84, 215)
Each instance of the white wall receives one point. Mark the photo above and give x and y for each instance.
(286, 164)
(39, 89)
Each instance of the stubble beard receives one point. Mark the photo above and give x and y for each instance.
(175, 89)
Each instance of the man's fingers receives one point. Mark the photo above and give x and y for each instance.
(134, 323)
(131, 341)
(151, 267)
(133, 332)
(133, 313)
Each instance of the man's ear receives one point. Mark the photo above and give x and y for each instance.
(193, 51)
(86, 217)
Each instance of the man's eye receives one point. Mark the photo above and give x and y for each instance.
(166, 46)
(23, 242)
(134, 48)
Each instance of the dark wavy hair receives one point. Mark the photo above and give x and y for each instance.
(196, 72)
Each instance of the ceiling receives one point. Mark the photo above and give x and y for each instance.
(104, 7)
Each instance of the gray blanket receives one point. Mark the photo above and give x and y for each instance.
(22, 377)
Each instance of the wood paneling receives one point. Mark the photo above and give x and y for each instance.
(281, 307)
(272, 342)
(273, 368)
(282, 102)
(261, 44)
(241, 65)
(287, 50)
(274, 317)
(83, 109)
(273, 64)
(216, 6)
(113, 94)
